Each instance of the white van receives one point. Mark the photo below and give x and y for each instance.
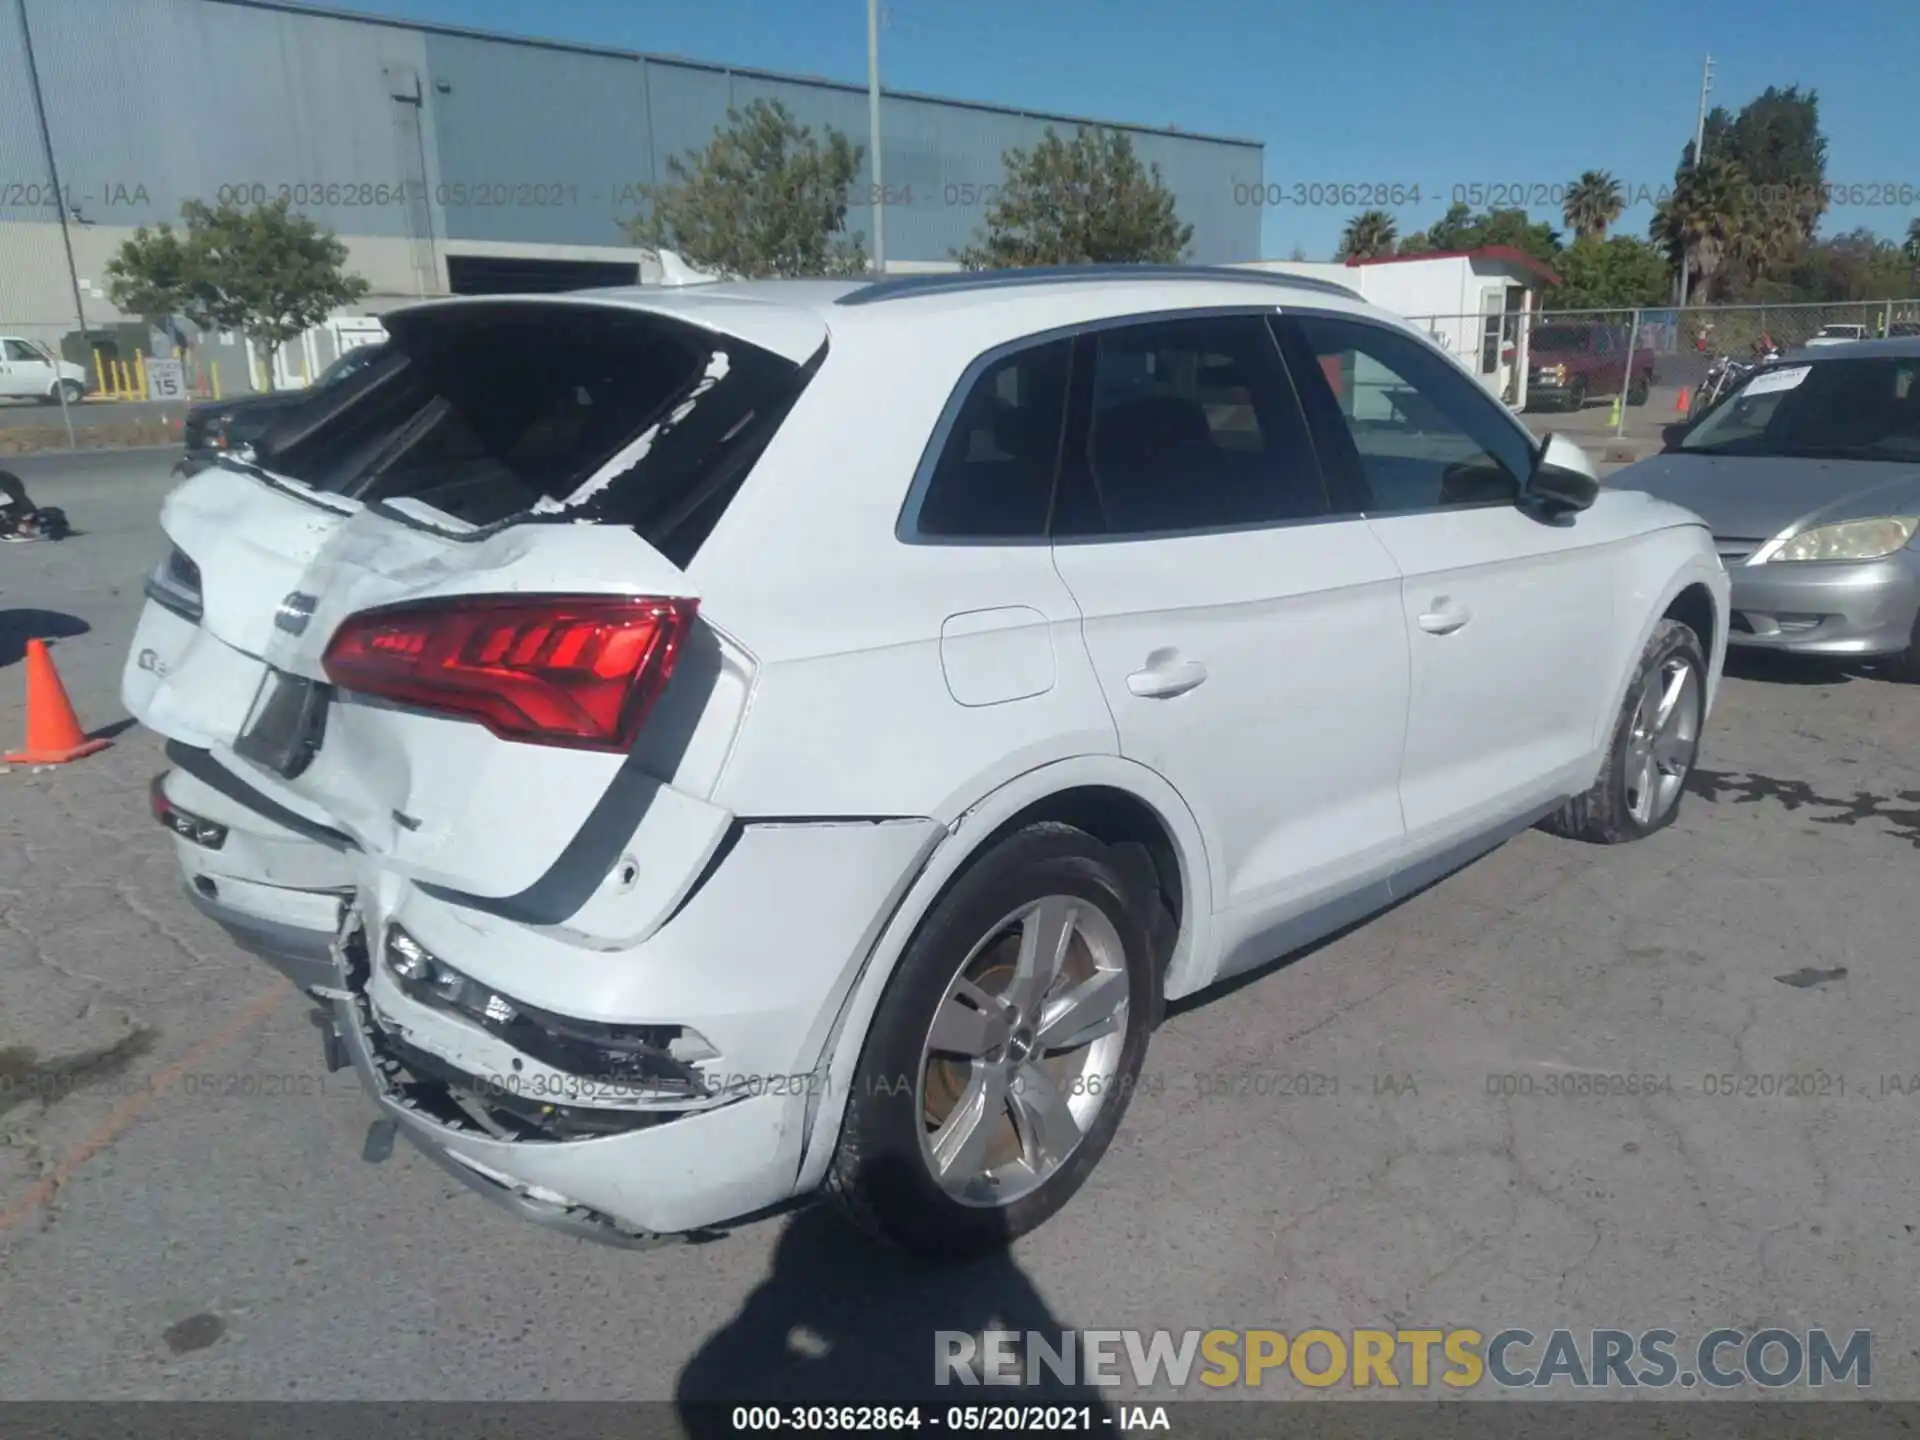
(28, 371)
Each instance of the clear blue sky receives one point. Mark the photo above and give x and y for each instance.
(1428, 92)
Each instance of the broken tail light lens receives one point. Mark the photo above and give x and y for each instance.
(579, 671)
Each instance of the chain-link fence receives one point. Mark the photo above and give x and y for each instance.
(123, 382)
(1627, 374)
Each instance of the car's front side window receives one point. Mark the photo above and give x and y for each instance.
(1418, 433)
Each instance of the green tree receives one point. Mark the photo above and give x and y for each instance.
(1084, 201)
(767, 197)
(1368, 236)
(1462, 229)
(151, 274)
(1614, 274)
(1742, 220)
(1517, 229)
(266, 273)
(1912, 247)
(1858, 265)
(1454, 230)
(1776, 140)
(1695, 226)
(1594, 202)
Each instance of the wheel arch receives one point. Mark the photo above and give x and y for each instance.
(1687, 594)
(1117, 800)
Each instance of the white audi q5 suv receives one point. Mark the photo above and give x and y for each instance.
(711, 744)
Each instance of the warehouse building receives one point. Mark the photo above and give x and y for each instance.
(448, 161)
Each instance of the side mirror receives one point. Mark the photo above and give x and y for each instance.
(1563, 478)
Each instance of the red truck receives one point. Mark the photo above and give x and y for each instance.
(1568, 365)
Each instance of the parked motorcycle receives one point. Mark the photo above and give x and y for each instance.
(1724, 376)
(1727, 375)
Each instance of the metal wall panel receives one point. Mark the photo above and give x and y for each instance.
(685, 105)
(536, 145)
(153, 101)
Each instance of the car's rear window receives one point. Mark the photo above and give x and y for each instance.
(493, 411)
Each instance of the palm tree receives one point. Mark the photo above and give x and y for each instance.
(1593, 203)
(1368, 236)
(1700, 221)
(1766, 238)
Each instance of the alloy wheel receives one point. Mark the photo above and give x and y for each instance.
(1663, 739)
(1023, 1050)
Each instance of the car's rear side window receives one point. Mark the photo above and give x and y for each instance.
(993, 479)
(1192, 424)
(488, 412)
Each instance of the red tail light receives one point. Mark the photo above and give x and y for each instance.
(576, 670)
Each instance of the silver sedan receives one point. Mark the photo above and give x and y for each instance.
(1809, 476)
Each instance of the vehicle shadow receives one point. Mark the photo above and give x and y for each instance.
(839, 1319)
(1777, 668)
(17, 627)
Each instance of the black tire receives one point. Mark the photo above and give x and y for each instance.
(879, 1175)
(1602, 816)
(75, 393)
(1577, 393)
(1638, 392)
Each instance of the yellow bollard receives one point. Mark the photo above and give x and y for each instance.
(214, 367)
(140, 366)
(102, 382)
(123, 388)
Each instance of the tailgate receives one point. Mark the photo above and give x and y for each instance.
(439, 799)
(231, 653)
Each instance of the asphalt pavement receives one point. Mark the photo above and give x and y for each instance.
(88, 415)
(1378, 1132)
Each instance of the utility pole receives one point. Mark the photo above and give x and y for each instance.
(879, 196)
(60, 201)
(1699, 145)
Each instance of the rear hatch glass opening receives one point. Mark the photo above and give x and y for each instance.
(506, 412)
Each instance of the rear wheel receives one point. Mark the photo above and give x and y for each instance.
(73, 390)
(1577, 393)
(1004, 1052)
(1656, 740)
(1638, 391)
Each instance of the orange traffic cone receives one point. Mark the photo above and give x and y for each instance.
(1680, 406)
(54, 735)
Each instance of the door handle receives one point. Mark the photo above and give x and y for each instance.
(1445, 618)
(1163, 679)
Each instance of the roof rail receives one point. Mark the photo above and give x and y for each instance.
(907, 286)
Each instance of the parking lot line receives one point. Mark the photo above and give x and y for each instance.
(117, 1124)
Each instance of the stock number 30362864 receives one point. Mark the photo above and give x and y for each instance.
(956, 1419)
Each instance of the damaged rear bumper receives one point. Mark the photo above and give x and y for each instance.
(572, 1103)
(637, 1190)
(626, 1090)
